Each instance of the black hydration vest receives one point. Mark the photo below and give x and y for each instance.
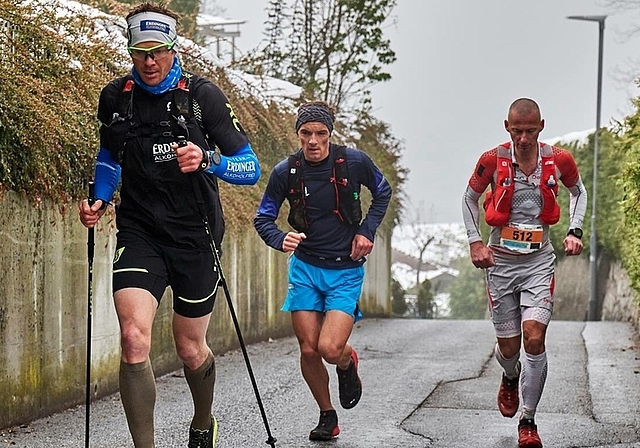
(181, 111)
(177, 121)
(347, 209)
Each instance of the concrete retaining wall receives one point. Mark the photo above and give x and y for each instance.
(620, 301)
(44, 306)
(616, 300)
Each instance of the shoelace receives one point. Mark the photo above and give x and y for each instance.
(528, 434)
(529, 431)
(509, 391)
(326, 419)
(509, 394)
(200, 438)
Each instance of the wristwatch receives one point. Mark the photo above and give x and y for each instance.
(577, 232)
(215, 158)
(209, 159)
(204, 163)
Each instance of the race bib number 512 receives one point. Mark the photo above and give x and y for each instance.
(523, 238)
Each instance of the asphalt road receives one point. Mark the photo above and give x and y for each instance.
(426, 384)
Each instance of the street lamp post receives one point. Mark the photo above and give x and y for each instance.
(593, 242)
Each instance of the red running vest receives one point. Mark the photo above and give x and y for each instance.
(497, 203)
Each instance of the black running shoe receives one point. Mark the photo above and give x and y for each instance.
(349, 384)
(327, 427)
(204, 438)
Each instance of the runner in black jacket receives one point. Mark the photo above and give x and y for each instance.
(329, 247)
(159, 128)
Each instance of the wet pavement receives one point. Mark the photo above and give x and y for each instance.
(426, 384)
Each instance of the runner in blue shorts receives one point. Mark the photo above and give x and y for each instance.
(322, 183)
(312, 288)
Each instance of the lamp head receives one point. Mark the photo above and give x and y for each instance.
(599, 19)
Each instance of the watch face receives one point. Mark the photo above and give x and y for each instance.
(216, 159)
(577, 232)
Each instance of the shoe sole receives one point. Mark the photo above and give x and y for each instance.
(322, 438)
(507, 415)
(530, 445)
(352, 404)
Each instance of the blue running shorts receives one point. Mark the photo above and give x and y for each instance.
(312, 288)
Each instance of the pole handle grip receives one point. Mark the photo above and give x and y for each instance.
(91, 234)
(92, 192)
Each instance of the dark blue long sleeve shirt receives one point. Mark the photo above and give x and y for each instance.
(328, 238)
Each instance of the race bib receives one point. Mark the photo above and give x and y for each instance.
(522, 238)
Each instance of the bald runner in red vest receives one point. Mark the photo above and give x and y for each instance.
(524, 175)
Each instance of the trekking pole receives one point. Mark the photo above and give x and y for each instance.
(90, 252)
(216, 258)
(271, 441)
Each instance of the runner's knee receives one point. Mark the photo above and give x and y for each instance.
(309, 352)
(331, 352)
(192, 353)
(533, 341)
(135, 344)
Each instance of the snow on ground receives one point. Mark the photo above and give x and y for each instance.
(450, 242)
(580, 137)
(266, 88)
(111, 30)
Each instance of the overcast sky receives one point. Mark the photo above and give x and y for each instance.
(462, 62)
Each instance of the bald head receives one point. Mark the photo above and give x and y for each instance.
(524, 125)
(524, 107)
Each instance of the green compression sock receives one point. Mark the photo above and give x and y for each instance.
(138, 395)
(201, 382)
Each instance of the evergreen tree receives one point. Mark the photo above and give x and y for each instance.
(273, 57)
(188, 11)
(425, 302)
(398, 303)
(467, 292)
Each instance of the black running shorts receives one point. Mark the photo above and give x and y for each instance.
(140, 262)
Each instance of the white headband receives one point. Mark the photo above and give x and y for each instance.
(149, 26)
